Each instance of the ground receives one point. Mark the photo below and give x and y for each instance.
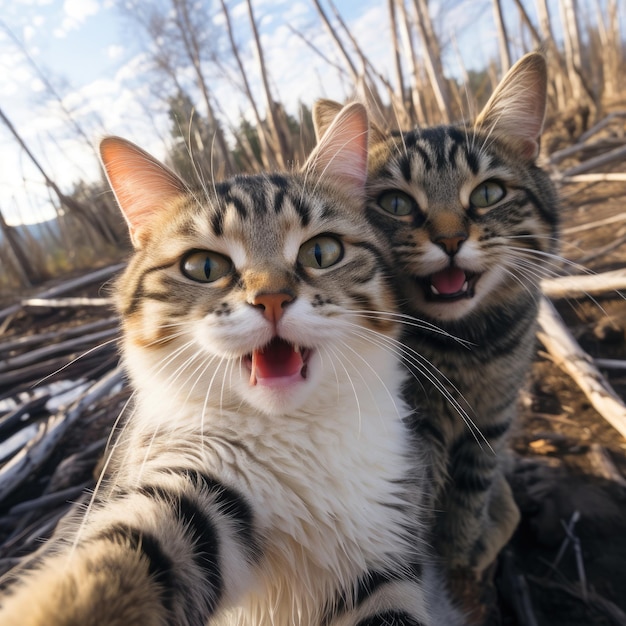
(566, 565)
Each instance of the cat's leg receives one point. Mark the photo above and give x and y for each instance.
(401, 599)
(477, 513)
(169, 551)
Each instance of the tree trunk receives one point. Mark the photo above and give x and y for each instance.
(418, 112)
(337, 40)
(503, 39)
(571, 43)
(534, 33)
(267, 155)
(432, 58)
(400, 90)
(192, 49)
(281, 150)
(74, 207)
(29, 274)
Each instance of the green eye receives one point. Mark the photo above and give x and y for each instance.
(396, 202)
(320, 252)
(204, 266)
(486, 194)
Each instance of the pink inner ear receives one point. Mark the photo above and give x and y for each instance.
(342, 152)
(142, 185)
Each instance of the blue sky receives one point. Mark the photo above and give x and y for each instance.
(94, 59)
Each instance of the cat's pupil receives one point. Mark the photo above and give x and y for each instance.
(396, 203)
(320, 252)
(487, 193)
(205, 266)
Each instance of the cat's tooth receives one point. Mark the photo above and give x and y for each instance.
(296, 349)
(465, 286)
(253, 369)
(434, 290)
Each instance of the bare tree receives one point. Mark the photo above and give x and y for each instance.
(277, 134)
(503, 38)
(87, 216)
(182, 39)
(432, 58)
(571, 43)
(267, 153)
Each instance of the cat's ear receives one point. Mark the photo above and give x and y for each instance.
(341, 153)
(516, 110)
(142, 185)
(324, 112)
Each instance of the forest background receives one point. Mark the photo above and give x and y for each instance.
(232, 83)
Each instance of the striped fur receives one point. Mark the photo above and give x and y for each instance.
(444, 184)
(253, 483)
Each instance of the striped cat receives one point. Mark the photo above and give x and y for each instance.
(472, 226)
(266, 474)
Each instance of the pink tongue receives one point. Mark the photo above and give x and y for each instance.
(448, 281)
(276, 359)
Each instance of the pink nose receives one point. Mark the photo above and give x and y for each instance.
(272, 304)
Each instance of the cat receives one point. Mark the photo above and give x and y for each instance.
(266, 474)
(472, 226)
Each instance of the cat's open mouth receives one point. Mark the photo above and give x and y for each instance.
(450, 284)
(277, 361)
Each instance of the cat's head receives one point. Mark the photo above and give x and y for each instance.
(260, 289)
(472, 220)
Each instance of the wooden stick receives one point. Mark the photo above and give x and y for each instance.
(59, 303)
(572, 359)
(610, 157)
(77, 343)
(557, 157)
(37, 451)
(58, 335)
(586, 285)
(600, 125)
(604, 250)
(595, 178)
(620, 217)
(102, 274)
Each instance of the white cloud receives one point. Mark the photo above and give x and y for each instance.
(37, 85)
(75, 12)
(115, 52)
(80, 10)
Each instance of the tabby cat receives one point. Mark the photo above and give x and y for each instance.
(266, 474)
(471, 225)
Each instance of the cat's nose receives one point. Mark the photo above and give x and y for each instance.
(273, 304)
(450, 243)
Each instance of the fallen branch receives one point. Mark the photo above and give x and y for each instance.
(620, 217)
(613, 156)
(50, 432)
(601, 144)
(572, 359)
(595, 178)
(59, 303)
(600, 125)
(92, 340)
(604, 250)
(58, 335)
(102, 274)
(584, 285)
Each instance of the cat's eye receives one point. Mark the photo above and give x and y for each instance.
(204, 266)
(396, 202)
(486, 194)
(320, 252)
